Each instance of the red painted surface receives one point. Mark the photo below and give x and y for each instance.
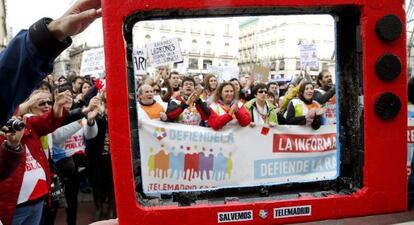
(385, 142)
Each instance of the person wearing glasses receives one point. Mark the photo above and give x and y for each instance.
(188, 108)
(24, 168)
(159, 95)
(227, 109)
(262, 112)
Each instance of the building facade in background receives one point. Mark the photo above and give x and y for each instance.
(70, 60)
(203, 42)
(274, 42)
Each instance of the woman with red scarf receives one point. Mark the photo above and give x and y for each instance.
(226, 109)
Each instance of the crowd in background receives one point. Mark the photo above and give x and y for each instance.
(204, 100)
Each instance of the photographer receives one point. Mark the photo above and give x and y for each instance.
(24, 169)
(29, 56)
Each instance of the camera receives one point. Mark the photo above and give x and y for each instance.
(14, 125)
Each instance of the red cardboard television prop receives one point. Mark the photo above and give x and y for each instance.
(371, 87)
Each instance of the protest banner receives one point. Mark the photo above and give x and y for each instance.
(177, 157)
(93, 62)
(260, 73)
(224, 73)
(140, 61)
(164, 52)
(308, 55)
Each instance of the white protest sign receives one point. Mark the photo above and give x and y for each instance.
(164, 52)
(177, 157)
(224, 73)
(93, 62)
(308, 56)
(139, 57)
(260, 73)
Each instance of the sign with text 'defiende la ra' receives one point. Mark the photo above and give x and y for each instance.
(164, 52)
(93, 62)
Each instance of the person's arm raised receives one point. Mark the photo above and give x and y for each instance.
(76, 19)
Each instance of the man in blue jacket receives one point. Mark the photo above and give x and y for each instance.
(29, 56)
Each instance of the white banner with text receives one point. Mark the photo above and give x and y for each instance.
(176, 157)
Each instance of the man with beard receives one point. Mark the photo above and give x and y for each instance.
(325, 95)
(188, 108)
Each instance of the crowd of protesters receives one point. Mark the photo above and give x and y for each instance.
(76, 147)
(174, 97)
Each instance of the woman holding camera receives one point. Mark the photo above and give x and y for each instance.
(24, 170)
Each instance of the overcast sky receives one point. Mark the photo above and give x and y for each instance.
(22, 13)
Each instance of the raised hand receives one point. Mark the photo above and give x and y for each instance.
(76, 19)
(61, 99)
(92, 115)
(93, 103)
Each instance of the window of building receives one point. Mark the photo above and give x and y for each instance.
(298, 67)
(226, 48)
(207, 63)
(180, 28)
(325, 66)
(227, 29)
(282, 65)
(208, 47)
(194, 46)
(193, 63)
(165, 27)
(180, 42)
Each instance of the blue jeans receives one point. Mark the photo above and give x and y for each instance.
(28, 215)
